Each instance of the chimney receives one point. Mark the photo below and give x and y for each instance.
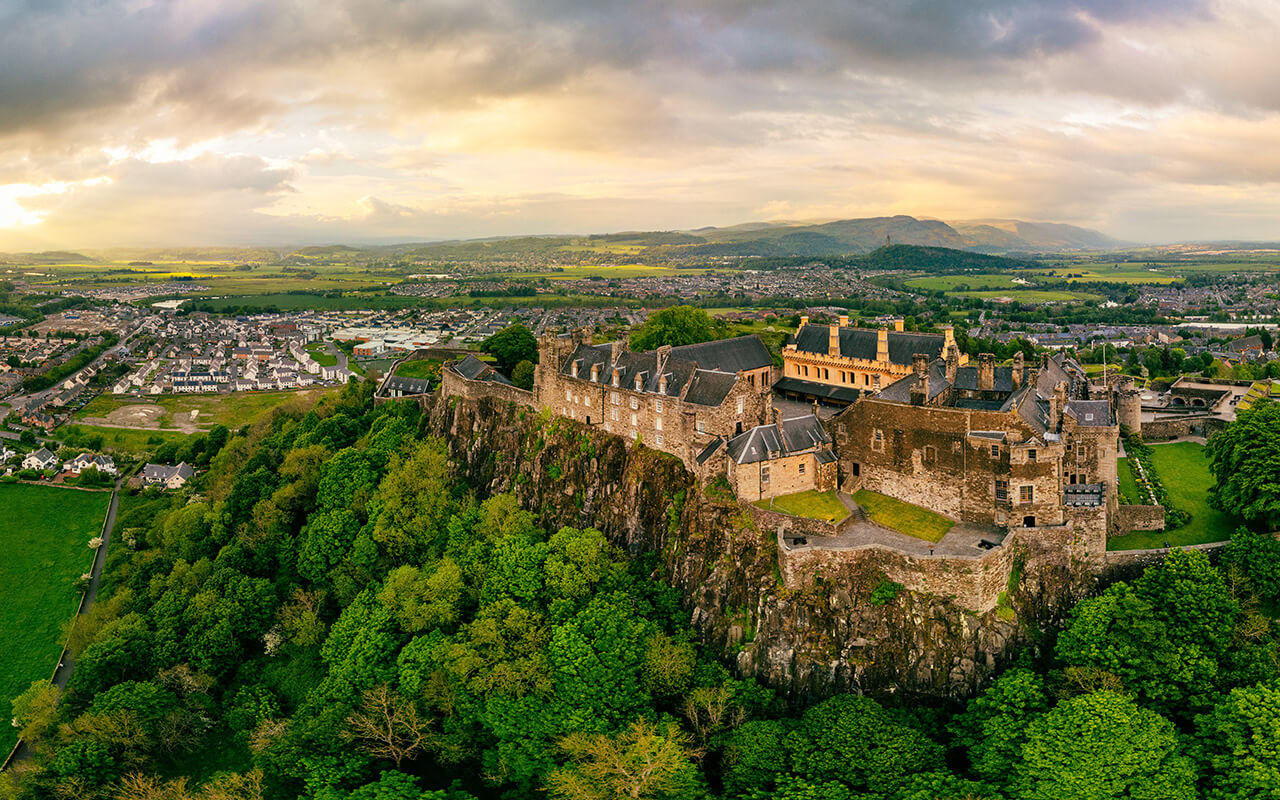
(986, 371)
(844, 320)
(897, 324)
(833, 340)
(803, 321)
(920, 389)
(882, 345)
(616, 349)
(1056, 403)
(920, 363)
(1018, 366)
(953, 363)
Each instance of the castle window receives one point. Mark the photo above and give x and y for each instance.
(1031, 454)
(806, 372)
(657, 406)
(764, 474)
(1080, 450)
(801, 467)
(930, 453)
(657, 423)
(568, 396)
(866, 379)
(587, 401)
(633, 420)
(739, 405)
(1027, 493)
(614, 413)
(635, 404)
(700, 426)
(1002, 491)
(613, 398)
(659, 440)
(826, 373)
(995, 451)
(877, 440)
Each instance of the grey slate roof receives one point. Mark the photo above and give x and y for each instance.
(708, 369)
(1090, 413)
(473, 369)
(863, 343)
(815, 389)
(792, 436)
(408, 385)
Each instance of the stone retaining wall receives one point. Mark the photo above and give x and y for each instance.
(1139, 518)
(1145, 558)
(1177, 427)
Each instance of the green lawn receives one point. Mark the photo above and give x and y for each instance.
(321, 354)
(424, 368)
(903, 517)
(103, 405)
(975, 282)
(1130, 494)
(44, 534)
(812, 504)
(237, 408)
(120, 441)
(1184, 471)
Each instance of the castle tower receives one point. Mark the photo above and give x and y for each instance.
(1129, 407)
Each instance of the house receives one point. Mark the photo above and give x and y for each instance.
(41, 459)
(5, 454)
(174, 477)
(790, 455)
(837, 364)
(104, 464)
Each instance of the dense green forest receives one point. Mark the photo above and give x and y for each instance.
(332, 616)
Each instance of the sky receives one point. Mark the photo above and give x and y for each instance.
(232, 122)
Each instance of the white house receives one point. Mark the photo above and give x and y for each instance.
(104, 464)
(41, 459)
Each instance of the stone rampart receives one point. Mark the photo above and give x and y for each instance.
(454, 385)
(1176, 427)
(1146, 558)
(1139, 518)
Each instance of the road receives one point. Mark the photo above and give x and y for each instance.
(68, 665)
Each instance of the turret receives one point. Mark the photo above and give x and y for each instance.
(1129, 407)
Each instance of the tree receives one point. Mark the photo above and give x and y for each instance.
(388, 725)
(35, 711)
(645, 761)
(510, 346)
(993, 728)
(851, 739)
(1245, 461)
(28, 438)
(675, 326)
(1099, 746)
(522, 374)
(1239, 743)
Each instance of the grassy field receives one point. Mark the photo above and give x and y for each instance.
(571, 272)
(1184, 471)
(237, 408)
(321, 354)
(43, 532)
(811, 504)
(1032, 295)
(975, 282)
(425, 368)
(1126, 273)
(295, 302)
(903, 517)
(122, 441)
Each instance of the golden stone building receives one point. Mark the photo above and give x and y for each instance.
(837, 364)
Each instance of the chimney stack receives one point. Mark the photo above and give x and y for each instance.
(833, 340)
(803, 321)
(949, 336)
(616, 349)
(844, 320)
(1018, 366)
(920, 363)
(1056, 404)
(953, 363)
(882, 345)
(986, 371)
(897, 324)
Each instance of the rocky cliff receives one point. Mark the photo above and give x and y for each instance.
(841, 627)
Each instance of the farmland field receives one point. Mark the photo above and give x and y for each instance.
(576, 271)
(976, 282)
(44, 532)
(1033, 295)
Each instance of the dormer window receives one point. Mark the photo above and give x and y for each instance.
(573, 369)
(637, 383)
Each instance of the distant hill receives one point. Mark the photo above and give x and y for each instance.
(1012, 235)
(47, 257)
(937, 259)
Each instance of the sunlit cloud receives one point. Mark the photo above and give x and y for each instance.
(372, 120)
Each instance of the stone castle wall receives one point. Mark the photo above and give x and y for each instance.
(454, 385)
(1139, 518)
(1176, 427)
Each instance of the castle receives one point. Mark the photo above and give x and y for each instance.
(1021, 453)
